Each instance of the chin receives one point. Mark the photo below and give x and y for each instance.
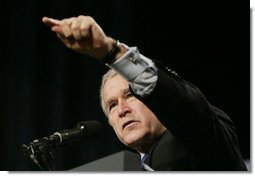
(134, 140)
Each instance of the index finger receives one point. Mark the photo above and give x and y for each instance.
(50, 21)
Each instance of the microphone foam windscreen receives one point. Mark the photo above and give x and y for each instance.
(91, 128)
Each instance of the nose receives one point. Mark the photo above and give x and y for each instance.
(123, 108)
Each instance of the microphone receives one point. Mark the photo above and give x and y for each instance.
(83, 130)
(40, 150)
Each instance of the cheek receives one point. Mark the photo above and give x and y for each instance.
(114, 123)
(142, 111)
(111, 122)
(147, 117)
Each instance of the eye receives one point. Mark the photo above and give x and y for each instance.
(129, 95)
(111, 106)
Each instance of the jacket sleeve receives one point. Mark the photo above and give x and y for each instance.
(185, 111)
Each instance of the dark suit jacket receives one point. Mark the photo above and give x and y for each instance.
(200, 137)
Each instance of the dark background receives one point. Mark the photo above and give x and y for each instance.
(46, 87)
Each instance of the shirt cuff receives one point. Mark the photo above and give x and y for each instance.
(131, 64)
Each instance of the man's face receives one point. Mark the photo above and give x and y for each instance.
(133, 122)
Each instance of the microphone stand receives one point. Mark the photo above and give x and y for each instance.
(39, 151)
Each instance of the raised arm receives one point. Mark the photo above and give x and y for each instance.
(82, 34)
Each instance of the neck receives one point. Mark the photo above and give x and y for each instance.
(146, 145)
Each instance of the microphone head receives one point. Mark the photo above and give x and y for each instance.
(90, 128)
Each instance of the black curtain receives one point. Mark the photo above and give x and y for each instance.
(46, 87)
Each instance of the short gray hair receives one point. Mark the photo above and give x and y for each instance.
(108, 75)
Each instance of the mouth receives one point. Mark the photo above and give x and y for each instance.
(127, 123)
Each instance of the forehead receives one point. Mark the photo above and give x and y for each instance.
(113, 86)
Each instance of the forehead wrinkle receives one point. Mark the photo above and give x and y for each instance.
(120, 93)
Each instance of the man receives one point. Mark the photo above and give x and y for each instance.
(151, 109)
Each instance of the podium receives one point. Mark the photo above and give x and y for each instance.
(121, 161)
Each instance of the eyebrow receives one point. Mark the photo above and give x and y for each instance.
(122, 92)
